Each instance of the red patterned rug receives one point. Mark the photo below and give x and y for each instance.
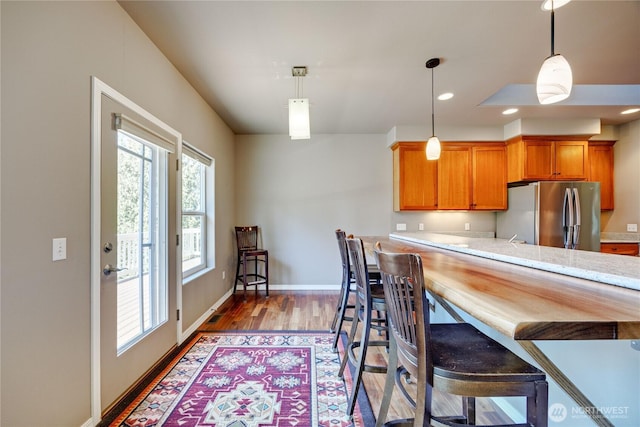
(250, 379)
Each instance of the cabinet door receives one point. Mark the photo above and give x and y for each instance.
(601, 170)
(620, 248)
(454, 178)
(571, 160)
(489, 178)
(415, 178)
(538, 160)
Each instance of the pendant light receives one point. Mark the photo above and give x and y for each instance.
(299, 127)
(433, 145)
(555, 78)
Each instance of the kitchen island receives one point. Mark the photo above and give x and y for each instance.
(594, 266)
(525, 303)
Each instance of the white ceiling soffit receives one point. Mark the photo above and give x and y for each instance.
(581, 95)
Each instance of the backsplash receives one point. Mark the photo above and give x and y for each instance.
(620, 237)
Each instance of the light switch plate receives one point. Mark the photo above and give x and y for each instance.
(59, 249)
(401, 227)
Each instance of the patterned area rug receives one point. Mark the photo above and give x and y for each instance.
(250, 379)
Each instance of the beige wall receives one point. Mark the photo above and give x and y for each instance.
(49, 51)
(300, 192)
(626, 159)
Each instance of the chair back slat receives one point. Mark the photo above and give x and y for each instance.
(360, 270)
(247, 238)
(407, 306)
(341, 236)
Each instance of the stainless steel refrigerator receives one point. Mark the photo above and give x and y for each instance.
(564, 214)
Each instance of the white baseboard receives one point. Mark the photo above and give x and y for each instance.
(304, 287)
(203, 318)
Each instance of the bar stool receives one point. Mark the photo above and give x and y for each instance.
(343, 308)
(369, 298)
(454, 357)
(249, 252)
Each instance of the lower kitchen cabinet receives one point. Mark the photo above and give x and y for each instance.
(620, 248)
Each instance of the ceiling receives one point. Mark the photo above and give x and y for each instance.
(366, 59)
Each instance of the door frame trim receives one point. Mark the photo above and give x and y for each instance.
(98, 89)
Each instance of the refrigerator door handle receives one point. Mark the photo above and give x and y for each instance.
(576, 225)
(567, 219)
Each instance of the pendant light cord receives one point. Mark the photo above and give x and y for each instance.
(433, 122)
(553, 26)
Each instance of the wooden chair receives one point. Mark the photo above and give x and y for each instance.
(249, 252)
(454, 358)
(369, 298)
(344, 310)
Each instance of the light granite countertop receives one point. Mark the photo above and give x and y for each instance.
(600, 267)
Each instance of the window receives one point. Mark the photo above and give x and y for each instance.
(196, 174)
(141, 226)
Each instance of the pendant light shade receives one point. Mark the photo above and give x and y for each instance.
(553, 4)
(299, 124)
(554, 80)
(433, 144)
(299, 118)
(433, 148)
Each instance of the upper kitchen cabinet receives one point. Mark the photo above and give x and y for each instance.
(454, 177)
(468, 176)
(489, 172)
(414, 178)
(547, 159)
(601, 170)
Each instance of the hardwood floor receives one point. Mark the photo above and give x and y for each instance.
(314, 310)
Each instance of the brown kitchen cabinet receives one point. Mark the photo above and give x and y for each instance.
(489, 173)
(601, 170)
(547, 159)
(414, 178)
(454, 177)
(468, 176)
(620, 248)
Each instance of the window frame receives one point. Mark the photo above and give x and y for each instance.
(206, 217)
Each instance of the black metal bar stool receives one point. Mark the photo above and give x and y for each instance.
(249, 252)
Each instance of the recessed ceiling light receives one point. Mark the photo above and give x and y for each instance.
(445, 96)
(510, 111)
(631, 111)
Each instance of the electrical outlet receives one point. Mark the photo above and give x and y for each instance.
(224, 274)
(401, 227)
(59, 249)
(632, 228)
(467, 226)
(421, 227)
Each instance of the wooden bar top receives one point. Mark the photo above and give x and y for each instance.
(525, 303)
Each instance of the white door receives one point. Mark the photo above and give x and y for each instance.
(137, 257)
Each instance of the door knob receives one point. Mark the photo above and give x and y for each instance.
(108, 269)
